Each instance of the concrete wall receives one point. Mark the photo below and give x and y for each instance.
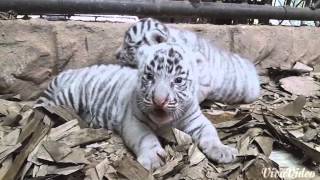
(61, 45)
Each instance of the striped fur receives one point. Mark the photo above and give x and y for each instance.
(162, 92)
(224, 76)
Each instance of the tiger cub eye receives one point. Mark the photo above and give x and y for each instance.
(149, 77)
(178, 80)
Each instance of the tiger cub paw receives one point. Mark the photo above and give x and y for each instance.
(152, 158)
(222, 154)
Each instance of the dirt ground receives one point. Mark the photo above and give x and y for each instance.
(278, 136)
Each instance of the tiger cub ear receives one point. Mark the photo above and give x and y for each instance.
(155, 37)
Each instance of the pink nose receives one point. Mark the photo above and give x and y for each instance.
(160, 101)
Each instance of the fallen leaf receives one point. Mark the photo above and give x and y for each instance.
(297, 85)
(51, 169)
(265, 143)
(218, 116)
(302, 67)
(85, 136)
(195, 155)
(294, 108)
(11, 139)
(57, 150)
(181, 137)
(167, 134)
(168, 167)
(63, 130)
(38, 133)
(5, 166)
(133, 170)
(310, 134)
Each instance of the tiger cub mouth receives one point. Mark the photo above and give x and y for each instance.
(160, 116)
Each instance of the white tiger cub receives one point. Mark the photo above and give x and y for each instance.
(224, 76)
(136, 102)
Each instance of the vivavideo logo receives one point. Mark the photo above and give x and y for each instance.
(287, 173)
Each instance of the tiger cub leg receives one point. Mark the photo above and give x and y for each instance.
(205, 134)
(144, 143)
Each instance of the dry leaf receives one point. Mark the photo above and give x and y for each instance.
(167, 134)
(294, 108)
(181, 137)
(195, 155)
(168, 167)
(305, 86)
(5, 166)
(133, 170)
(46, 170)
(217, 116)
(310, 134)
(85, 136)
(265, 143)
(63, 130)
(57, 150)
(302, 67)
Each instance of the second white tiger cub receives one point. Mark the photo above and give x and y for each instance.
(135, 103)
(224, 76)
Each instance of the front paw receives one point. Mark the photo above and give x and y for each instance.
(222, 154)
(152, 158)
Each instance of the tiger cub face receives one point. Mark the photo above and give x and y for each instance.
(167, 83)
(145, 32)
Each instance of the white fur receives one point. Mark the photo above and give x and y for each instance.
(107, 96)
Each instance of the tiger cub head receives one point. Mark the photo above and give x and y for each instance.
(167, 84)
(145, 32)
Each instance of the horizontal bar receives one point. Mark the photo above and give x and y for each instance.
(158, 8)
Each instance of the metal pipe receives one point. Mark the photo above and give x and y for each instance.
(158, 8)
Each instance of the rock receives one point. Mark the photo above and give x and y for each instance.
(73, 44)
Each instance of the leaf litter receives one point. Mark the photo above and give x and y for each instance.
(55, 143)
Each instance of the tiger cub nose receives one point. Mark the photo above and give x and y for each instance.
(160, 101)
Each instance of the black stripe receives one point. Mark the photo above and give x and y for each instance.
(55, 81)
(142, 138)
(70, 95)
(134, 28)
(65, 98)
(115, 99)
(193, 119)
(193, 112)
(142, 26)
(39, 101)
(81, 106)
(128, 37)
(112, 99)
(198, 128)
(146, 40)
(46, 95)
(109, 94)
(123, 116)
(149, 25)
(104, 86)
(59, 100)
